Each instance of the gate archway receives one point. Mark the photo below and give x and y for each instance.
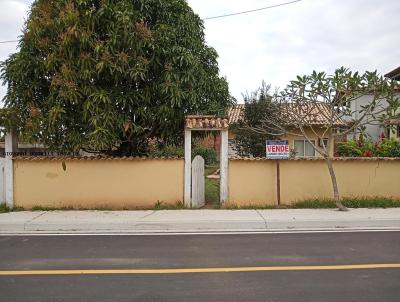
(206, 123)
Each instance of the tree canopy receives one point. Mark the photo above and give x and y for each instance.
(322, 106)
(107, 76)
(258, 106)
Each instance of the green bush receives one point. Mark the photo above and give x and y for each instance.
(366, 148)
(388, 148)
(158, 150)
(166, 151)
(209, 155)
(349, 149)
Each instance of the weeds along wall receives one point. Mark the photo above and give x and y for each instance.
(129, 183)
(253, 181)
(114, 183)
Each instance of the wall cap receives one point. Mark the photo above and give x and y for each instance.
(237, 158)
(92, 158)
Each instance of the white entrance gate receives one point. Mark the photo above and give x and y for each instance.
(206, 123)
(198, 189)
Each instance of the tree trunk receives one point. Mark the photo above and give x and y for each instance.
(336, 196)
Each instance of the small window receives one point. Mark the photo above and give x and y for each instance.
(323, 142)
(299, 147)
(309, 148)
(304, 148)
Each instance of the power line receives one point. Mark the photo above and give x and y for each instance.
(252, 11)
(217, 17)
(10, 41)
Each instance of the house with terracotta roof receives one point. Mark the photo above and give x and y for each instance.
(235, 113)
(314, 119)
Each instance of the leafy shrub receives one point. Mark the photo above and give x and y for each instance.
(388, 148)
(366, 148)
(258, 106)
(158, 150)
(166, 151)
(349, 149)
(209, 155)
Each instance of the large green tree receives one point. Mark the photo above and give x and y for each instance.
(257, 106)
(107, 76)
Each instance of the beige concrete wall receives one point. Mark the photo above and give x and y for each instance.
(369, 178)
(301, 179)
(110, 183)
(254, 181)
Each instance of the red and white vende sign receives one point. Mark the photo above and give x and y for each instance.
(277, 149)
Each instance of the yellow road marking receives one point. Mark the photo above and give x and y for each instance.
(198, 270)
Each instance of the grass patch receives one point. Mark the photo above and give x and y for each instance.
(376, 202)
(313, 204)
(211, 187)
(212, 191)
(250, 207)
(5, 209)
(160, 205)
(42, 208)
(71, 208)
(355, 203)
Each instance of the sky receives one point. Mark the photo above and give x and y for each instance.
(277, 44)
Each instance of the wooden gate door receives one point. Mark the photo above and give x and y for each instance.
(198, 194)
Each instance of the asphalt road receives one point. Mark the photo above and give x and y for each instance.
(114, 253)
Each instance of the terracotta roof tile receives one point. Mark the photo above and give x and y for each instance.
(312, 113)
(210, 122)
(235, 113)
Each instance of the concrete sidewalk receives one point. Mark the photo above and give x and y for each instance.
(197, 221)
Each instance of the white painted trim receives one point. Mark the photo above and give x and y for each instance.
(9, 182)
(188, 168)
(11, 145)
(224, 168)
(2, 181)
